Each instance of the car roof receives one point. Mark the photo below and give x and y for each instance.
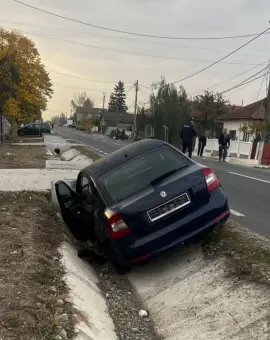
(120, 156)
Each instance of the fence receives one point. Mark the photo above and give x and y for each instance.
(237, 149)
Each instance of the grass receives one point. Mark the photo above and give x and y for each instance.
(247, 254)
(22, 157)
(88, 152)
(28, 139)
(30, 234)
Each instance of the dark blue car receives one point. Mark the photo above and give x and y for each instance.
(142, 200)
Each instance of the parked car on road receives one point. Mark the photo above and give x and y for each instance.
(142, 200)
(34, 129)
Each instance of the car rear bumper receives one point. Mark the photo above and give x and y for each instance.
(212, 215)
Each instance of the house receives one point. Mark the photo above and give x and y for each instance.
(237, 117)
(122, 120)
(93, 113)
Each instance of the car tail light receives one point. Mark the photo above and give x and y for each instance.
(117, 227)
(211, 179)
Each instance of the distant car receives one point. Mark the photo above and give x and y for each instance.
(113, 134)
(142, 200)
(80, 128)
(34, 129)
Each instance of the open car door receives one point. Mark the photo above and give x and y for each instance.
(70, 206)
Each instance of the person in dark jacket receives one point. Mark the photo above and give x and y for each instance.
(202, 144)
(187, 135)
(224, 144)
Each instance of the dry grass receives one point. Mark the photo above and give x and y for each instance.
(28, 139)
(22, 157)
(30, 234)
(88, 152)
(247, 254)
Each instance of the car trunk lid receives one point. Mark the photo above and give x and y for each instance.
(165, 201)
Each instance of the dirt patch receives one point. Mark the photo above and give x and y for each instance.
(88, 152)
(22, 157)
(247, 254)
(31, 286)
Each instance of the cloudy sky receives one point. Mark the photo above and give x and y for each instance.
(114, 56)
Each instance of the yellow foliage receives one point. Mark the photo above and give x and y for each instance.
(13, 110)
(35, 87)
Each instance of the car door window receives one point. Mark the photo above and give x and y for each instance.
(29, 127)
(86, 190)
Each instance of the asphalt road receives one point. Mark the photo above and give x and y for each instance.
(248, 189)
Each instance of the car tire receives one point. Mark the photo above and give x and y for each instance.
(20, 134)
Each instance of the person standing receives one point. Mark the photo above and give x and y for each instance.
(187, 135)
(202, 144)
(224, 144)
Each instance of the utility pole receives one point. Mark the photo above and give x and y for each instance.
(267, 112)
(103, 99)
(266, 119)
(136, 107)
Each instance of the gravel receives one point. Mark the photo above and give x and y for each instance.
(124, 306)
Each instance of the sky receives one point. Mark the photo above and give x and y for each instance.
(114, 56)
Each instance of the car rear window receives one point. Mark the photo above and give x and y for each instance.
(138, 173)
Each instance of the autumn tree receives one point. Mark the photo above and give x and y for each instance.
(117, 100)
(82, 100)
(34, 88)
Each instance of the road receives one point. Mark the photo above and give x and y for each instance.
(248, 189)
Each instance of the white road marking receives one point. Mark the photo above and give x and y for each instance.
(236, 213)
(255, 179)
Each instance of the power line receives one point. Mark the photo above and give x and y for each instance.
(242, 84)
(79, 88)
(128, 38)
(226, 56)
(131, 33)
(124, 51)
(260, 88)
(225, 81)
(90, 80)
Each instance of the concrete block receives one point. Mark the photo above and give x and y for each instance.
(70, 154)
(58, 164)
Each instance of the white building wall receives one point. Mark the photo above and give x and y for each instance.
(235, 125)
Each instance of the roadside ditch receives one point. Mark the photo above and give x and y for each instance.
(216, 287)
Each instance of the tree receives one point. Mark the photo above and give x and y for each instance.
(34, 88)
(112, 104)
(255, 129)
(169, 106)
(9, 80)
(82, 100)
(118, 98)
(211, 105)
